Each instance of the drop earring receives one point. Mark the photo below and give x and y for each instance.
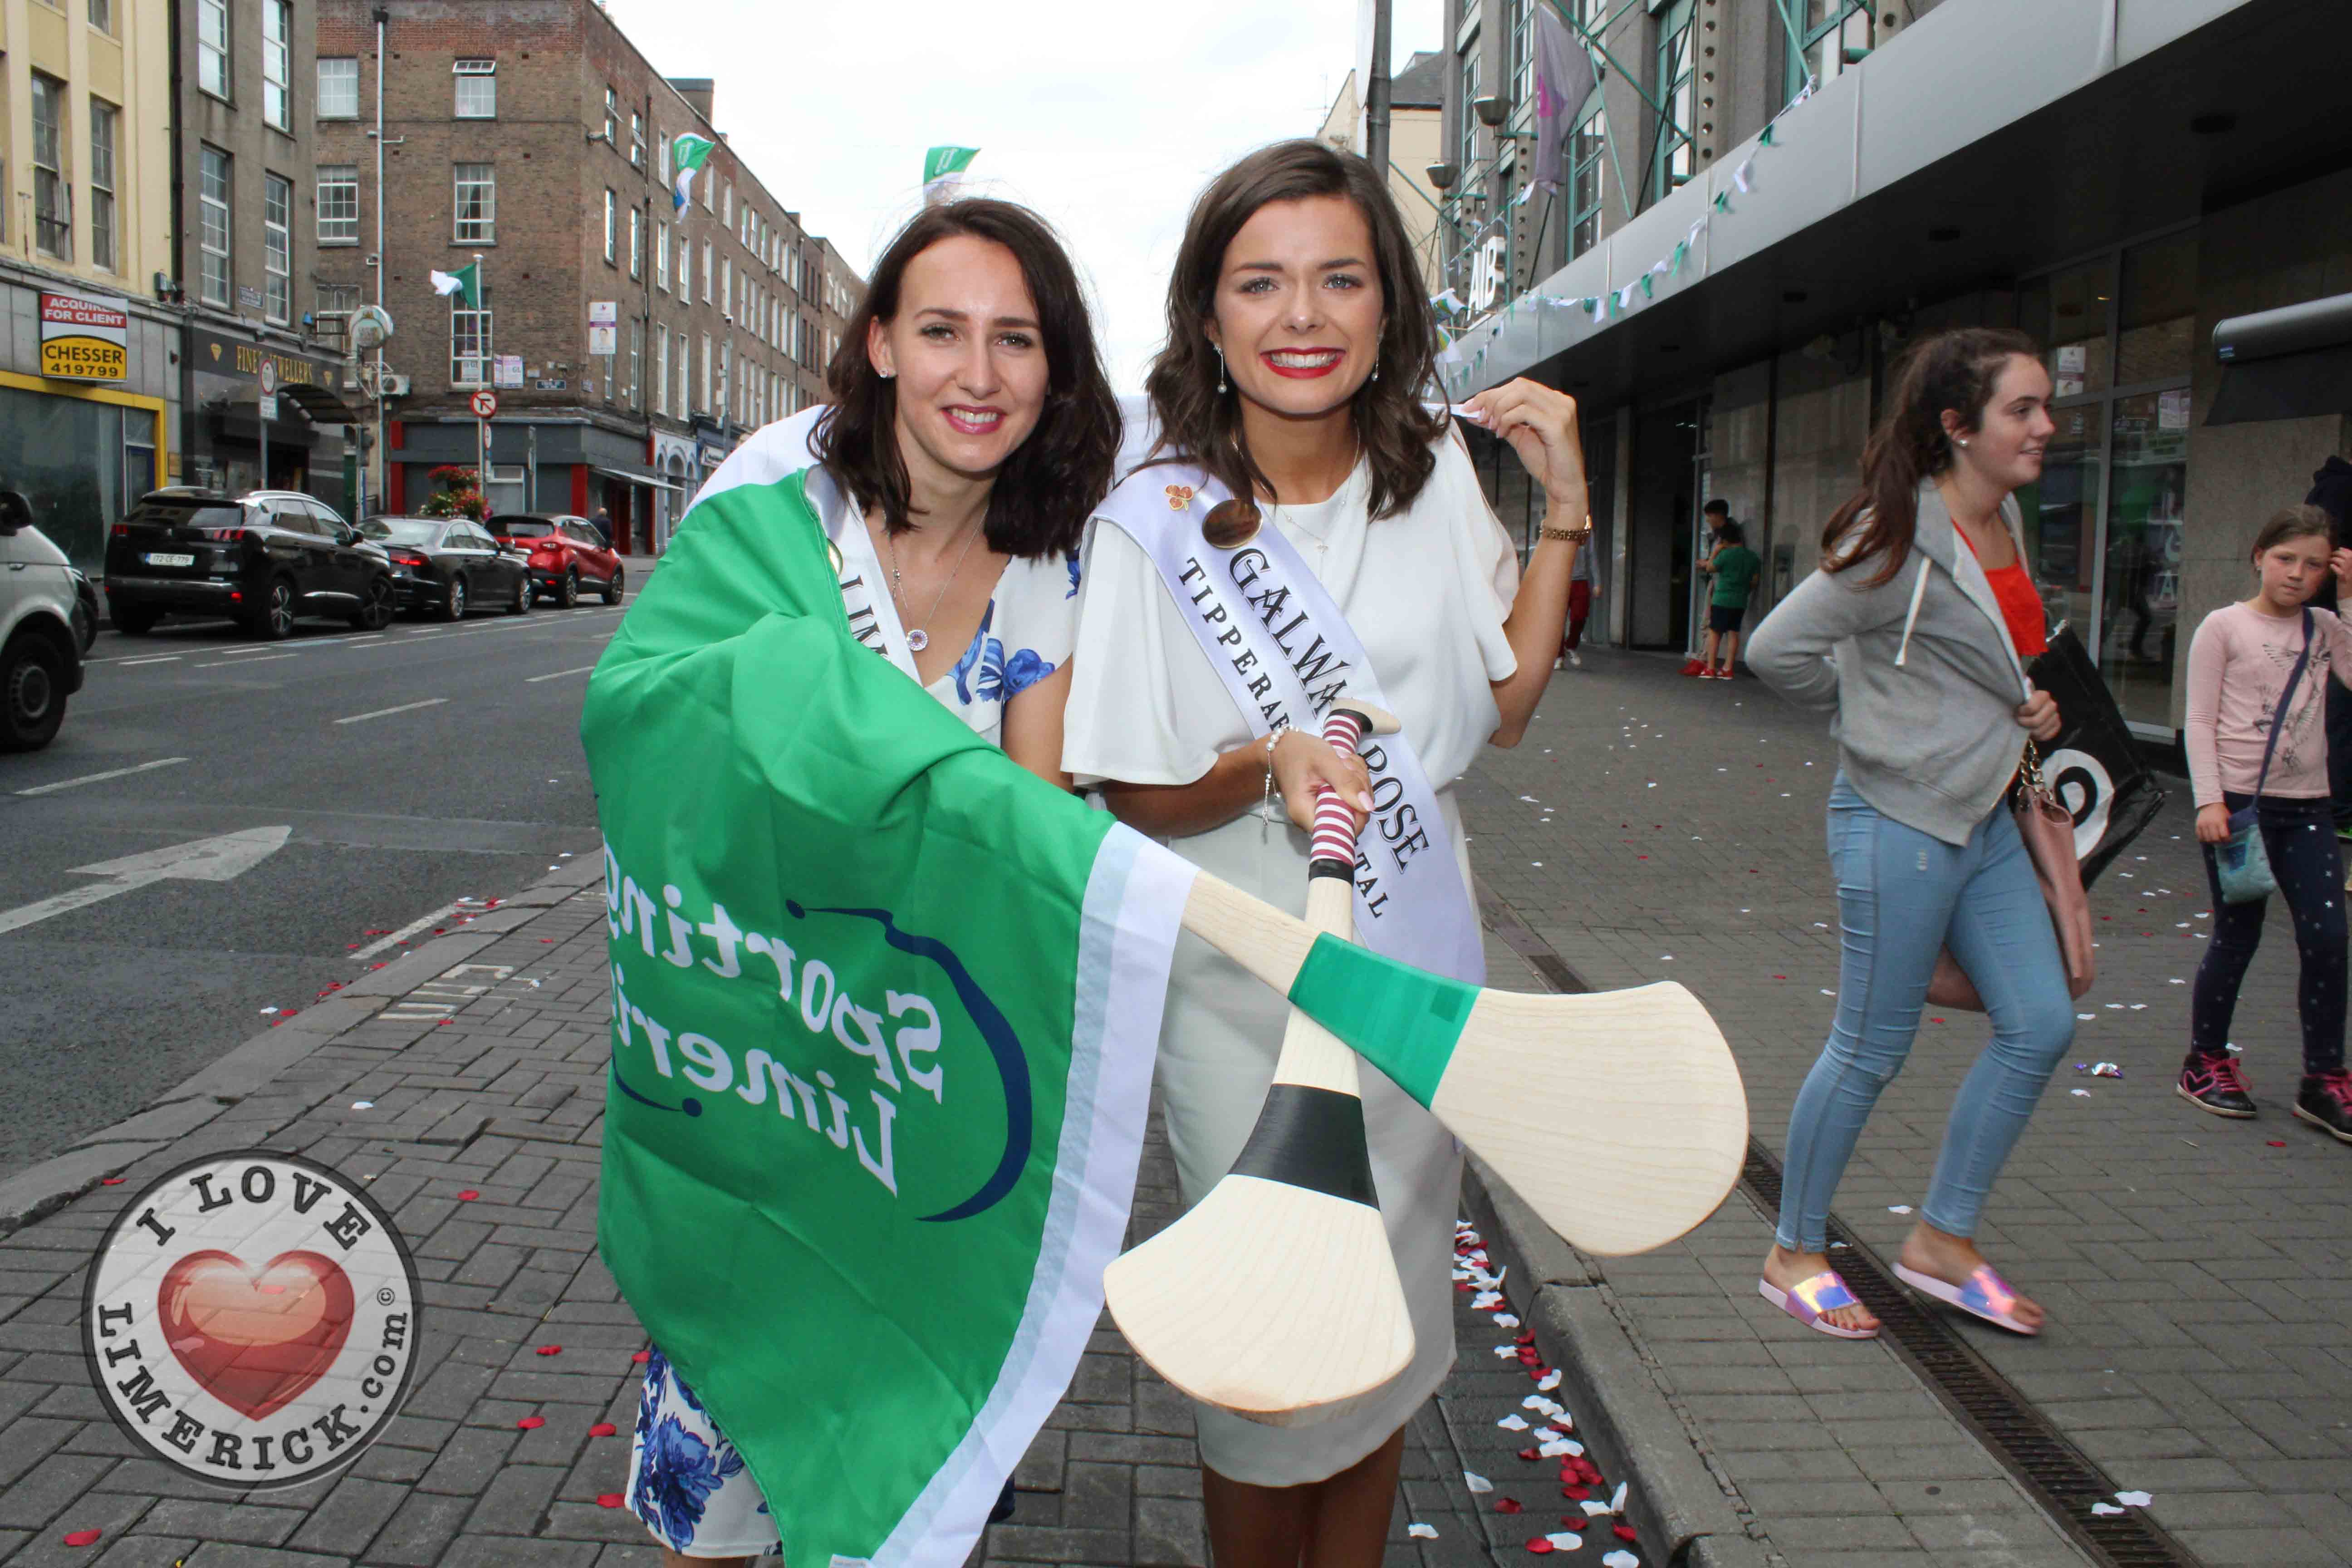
(1376, 370)
(1221, 371)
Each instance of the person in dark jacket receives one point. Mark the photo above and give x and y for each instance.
(2331, 491)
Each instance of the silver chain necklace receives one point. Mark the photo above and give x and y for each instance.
(919, 640)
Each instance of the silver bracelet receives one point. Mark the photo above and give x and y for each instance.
(1265, 800)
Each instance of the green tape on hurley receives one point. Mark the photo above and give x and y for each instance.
(1402, 1020)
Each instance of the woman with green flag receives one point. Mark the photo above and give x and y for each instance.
(970, 431)
(1313, 527)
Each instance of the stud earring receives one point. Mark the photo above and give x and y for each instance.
(1221, 371)
(888, 375)
(1962, 440)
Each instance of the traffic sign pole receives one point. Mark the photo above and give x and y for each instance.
(485, 408)
(266, 409)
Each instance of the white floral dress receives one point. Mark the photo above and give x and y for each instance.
(687, 1481)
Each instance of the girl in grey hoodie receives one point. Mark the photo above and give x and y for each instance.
(1913, 633)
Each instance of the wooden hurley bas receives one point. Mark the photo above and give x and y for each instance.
(1618, 1116)
(1276, 1296)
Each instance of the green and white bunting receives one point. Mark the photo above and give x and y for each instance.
(943, 170)
(884, 1008)
(686, 156)
(464, 284)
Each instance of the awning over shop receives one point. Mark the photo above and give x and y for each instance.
(320, 404)
(629, 479)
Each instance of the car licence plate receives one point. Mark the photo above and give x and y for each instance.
(171, 561)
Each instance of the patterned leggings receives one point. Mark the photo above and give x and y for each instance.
(2299, 835)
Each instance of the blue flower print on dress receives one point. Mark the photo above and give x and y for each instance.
(676, 1473)
(1073, 576)
(982, 667)
(1024, 670)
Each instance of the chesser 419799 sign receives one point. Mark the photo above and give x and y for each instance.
(251, 1320)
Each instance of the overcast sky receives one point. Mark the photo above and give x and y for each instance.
(1106, 118)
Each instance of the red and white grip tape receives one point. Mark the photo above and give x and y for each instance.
(1334, 822)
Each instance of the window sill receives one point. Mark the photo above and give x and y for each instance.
(474, 244)
(326, 243)
(483, 117)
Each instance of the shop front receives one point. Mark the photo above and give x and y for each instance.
(226, 449)
(555, 465)
(85, 409)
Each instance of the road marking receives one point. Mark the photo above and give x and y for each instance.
(200, 860)
(403, 708)
(238, 663)
(535, 680)
(423, 923)
(97, 778)
(152, 658)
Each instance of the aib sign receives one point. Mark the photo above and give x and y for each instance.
(251, 1320)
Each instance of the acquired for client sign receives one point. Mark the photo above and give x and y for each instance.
(84, 337)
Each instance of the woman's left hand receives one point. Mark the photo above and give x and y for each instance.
(1539, 422)
(2037, 715)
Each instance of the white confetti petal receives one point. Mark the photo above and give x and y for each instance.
(1565, 1540)
(1898, 1208)
(1595, 1508)
(1506, 1321)
(2105, 1508)
(1507, 1352)
(1621, 1558)
(1559, 1446)
(1476, 1482)
(2133, 1500)
(362, 1105)
(1421, 1532)
(2081, 1094)
(1514, 1422)
(1549, 1381)
(1617, 1499)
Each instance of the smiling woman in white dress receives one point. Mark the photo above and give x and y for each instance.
(1300, 348)
(971, 430)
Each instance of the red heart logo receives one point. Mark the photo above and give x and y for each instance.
(256, 1339)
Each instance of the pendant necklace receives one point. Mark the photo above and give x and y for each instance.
(917, 638)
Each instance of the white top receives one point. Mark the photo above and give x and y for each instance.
(1426, 590)
(1024, 636)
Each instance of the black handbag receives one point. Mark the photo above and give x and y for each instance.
(2093, 764)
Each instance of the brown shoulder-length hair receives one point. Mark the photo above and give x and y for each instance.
(1955, 370)
(2290, 523)
(1204, 426)
(1046, 490)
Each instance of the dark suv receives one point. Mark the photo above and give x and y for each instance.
(263, 558)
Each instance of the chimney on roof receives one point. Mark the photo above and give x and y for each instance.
(696, 90)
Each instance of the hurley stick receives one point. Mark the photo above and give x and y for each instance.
(1619, 1116)
(1277, 1296)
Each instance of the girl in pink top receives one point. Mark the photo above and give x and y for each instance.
(2239, 667)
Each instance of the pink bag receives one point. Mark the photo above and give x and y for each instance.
(2048, 829)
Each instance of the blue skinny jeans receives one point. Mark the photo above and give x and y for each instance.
(1903, 895)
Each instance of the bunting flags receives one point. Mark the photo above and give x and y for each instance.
(943, 170)
(687, 154)
(465, 283)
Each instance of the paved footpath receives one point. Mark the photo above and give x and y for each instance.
(1648, 829)
(2197, 1271)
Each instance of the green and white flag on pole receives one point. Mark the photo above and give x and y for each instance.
(885, 1005)
(943, 170)
(687, 154)
(465, 283)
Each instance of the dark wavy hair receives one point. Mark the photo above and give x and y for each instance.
(1956, 370)
(1053, 480)
(1197, 423)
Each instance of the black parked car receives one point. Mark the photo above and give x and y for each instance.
(448, 565)
(263, 558)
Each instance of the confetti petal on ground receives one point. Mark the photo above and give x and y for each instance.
(2105, 1508)
(609, 1500)
(1595, 1508)
(362, 1105)
(109, 1181)
(550, 1350)
(603, 1429)
(2133, 1500)
(81, 1537)
(1549, 1381)
(1420, 1532)
(1559, 1446)
(1507, 1505)
(1506, 1321)
(1565, 1540)
(1540, 1544)
(1626, 1532)
(1621, 1559)
(1513, 1423)
(1476, 1482)
(642, 1357)
(1898, 1208)
(531, 1422)
(468, 1195)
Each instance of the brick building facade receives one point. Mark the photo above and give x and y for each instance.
(631, 345)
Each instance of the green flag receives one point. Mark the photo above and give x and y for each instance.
(885, 1011)
(687, 154)
(465, 283)
(944, 169)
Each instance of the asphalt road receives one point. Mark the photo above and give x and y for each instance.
(415, 768)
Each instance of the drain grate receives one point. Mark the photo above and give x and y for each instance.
(2061, 1477)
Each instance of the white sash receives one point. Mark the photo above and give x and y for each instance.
(1285, 654)
(873, 613)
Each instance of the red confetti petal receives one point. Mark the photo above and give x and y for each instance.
(81, 1537)
(109, 1181)
(1624, 1531)
(531, 1422)
(2278, 1143)
(1538, 1545)
(550, 1350)
(1507, 1505)
(1523, 1337)
(1575, 1493)
(1574, 1520)
(1779, 977)
(602, 1429)
(468, 1195)
(608, 1499)
(642, 1357)
(1530, 1454)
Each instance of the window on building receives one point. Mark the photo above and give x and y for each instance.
(212, 47)
(726, 287)
(636, 244)
(611, 226)
(101, 14)
(470, 353)
(476, 194)
(680, 397)
(1521, 15)
(727, 206)
(478, 89)
(339, 87)
(1836, 34)
(1588, 151)
(708, 257)
(661, 369)
(332, 308)
(103, 117)
(612, 117)
(661, 257)
(213, 237)
(339, 204)
(637, 140)
(277, 63)
(702, 388)
(1675, 158)
(278, 247)
(52, 194)
(637, 357)
(1472, 89)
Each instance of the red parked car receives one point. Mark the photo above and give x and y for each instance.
(565, 553)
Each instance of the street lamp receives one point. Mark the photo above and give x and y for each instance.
(1491, 111)
(1442, 175)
